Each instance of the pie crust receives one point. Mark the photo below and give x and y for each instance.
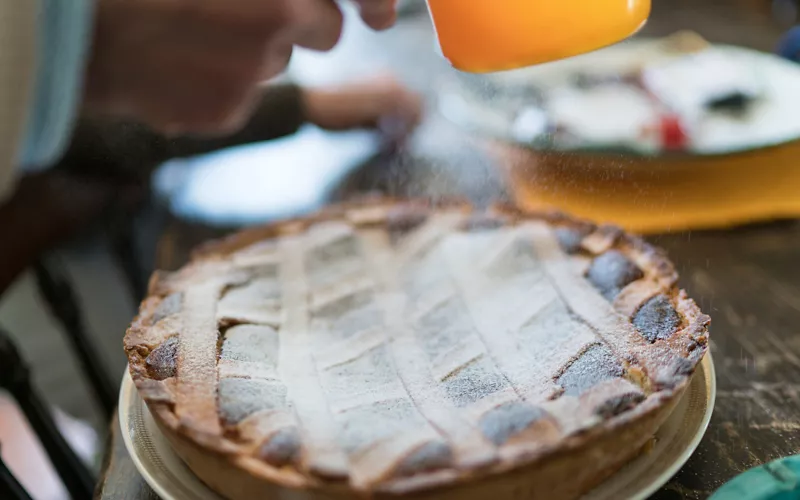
(391, 348)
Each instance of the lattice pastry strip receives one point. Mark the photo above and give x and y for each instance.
(399, 350)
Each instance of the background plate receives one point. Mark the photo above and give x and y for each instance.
(675, 442)
(489, 105)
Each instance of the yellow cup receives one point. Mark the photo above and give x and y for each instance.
(481, 36)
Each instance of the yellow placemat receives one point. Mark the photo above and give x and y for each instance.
(659, 195)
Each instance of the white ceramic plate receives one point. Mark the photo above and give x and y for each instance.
(492, 105)
(675, 442)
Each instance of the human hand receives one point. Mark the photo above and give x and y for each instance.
(378, 14)
(183, 66)
(375, 103)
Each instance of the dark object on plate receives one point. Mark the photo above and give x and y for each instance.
(735, 103)
(583, 80)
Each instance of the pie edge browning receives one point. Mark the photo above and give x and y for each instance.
(245, 477)
(239, 478)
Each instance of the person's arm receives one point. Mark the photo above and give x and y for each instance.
(18, 31)
(284, 108)
(128, 150)
(179, 66)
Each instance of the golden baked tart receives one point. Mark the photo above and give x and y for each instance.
(395, 349)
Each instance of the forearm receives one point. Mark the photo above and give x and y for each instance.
(123, 149)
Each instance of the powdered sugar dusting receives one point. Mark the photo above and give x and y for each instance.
(353, 352)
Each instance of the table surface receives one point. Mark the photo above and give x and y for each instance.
(747, 279)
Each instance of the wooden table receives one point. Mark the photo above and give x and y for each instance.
(747, 279)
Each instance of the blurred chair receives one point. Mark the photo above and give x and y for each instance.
(46, 210)
(15, 378)
(9, 486)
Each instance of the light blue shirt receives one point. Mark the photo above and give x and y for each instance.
(65, 31)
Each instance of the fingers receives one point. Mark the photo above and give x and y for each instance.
(382, 103)
(278, 59)
(403, 111)
(317, 24)
(378, 14)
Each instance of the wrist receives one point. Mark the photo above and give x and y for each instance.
(336, 109)
(310, 105)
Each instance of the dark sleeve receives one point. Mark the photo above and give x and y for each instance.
(124, 149)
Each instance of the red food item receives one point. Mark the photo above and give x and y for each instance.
(673, 137)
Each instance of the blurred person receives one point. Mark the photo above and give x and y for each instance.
(179, 66)
(110, 161)
(109, 158)
(146, 75)
(127, 149)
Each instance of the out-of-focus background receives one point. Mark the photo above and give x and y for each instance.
(713, 107)
(108, 307)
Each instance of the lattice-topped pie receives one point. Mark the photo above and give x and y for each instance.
(386, 349)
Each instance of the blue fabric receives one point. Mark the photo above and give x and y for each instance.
(789, 46)
(778, 480)
(63, 44)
